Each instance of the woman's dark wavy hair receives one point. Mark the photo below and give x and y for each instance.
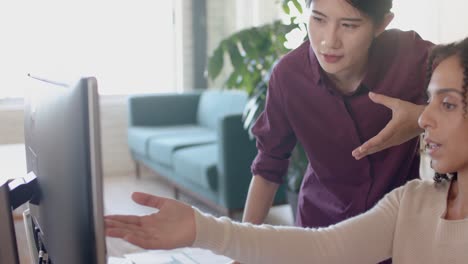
(375, 9)
(436, 56)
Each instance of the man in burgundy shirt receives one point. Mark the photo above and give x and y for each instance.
(319, 95)
(303, 104)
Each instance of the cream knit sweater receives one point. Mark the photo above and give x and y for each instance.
(406, 225)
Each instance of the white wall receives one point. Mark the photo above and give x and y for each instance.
(116, 158)
(435, 20)
(11, 125)
(255, 12)
(453, 20)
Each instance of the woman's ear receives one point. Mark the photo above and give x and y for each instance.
(383, 25)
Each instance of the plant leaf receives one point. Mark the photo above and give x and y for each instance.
(235, 55)
(231, 81)
(215, 63)
(298, 6)
(249, 46)
(286, 8)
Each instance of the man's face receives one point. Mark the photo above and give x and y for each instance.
(340, 36)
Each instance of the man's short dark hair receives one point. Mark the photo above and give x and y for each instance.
(375, 9)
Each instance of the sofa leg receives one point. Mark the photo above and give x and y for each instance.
(137, 170)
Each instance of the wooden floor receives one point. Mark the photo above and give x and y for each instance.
(117, 191)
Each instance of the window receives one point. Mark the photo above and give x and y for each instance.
(128, 45)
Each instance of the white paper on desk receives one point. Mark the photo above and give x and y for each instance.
(204, 256)
(160, 257)
(115, 260)
(150, 258)
(181, 258)
(178, 256)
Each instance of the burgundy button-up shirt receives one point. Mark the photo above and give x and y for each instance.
(302, 104)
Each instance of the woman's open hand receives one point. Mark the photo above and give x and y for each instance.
(172, 227)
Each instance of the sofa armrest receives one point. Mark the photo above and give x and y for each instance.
(163, 109)
(236, 152)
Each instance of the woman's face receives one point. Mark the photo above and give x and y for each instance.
(444, 121)
(340, 35)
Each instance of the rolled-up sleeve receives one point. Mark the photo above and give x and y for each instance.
(275, 137)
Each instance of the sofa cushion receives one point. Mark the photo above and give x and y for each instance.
(215, 104)
(139, 136)
(161, 149)
(198, 165)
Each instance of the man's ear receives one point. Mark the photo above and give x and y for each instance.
(383, 25)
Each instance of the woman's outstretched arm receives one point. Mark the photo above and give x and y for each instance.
(366, 238)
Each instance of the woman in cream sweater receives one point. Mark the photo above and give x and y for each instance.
(421, 222)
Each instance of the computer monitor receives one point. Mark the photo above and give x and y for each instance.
(62, 140)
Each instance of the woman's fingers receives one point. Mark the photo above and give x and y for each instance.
(122, 230)
(128, 219)
(148, 200)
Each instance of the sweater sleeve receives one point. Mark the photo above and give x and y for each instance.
(366, 238)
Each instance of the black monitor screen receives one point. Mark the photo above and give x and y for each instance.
(62, 140)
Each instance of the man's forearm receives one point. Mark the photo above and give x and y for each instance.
(259, 200)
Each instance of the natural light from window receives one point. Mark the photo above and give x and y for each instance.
(128, 45)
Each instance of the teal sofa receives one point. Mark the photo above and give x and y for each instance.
(195, 141)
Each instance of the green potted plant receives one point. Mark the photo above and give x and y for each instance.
(253, 53)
